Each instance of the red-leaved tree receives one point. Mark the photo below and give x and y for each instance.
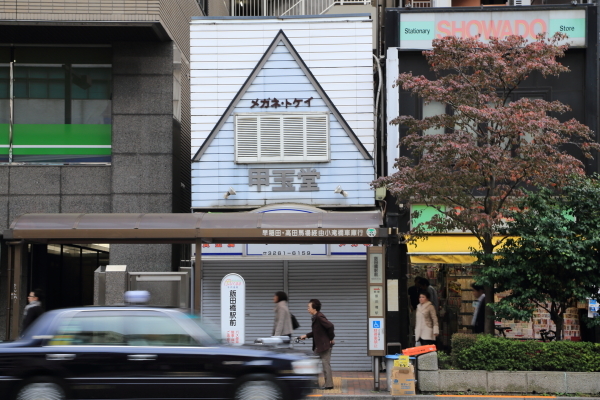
(491, 147)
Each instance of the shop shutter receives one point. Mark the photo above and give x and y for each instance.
(263, 278)
(290, 137)
(341, 286)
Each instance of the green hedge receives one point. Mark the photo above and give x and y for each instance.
(485, 352)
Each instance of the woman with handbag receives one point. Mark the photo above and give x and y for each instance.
(427, 328)
(282, 326)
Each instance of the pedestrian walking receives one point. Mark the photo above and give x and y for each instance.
(282, 326)
(32, 310)
(427, 328)
(413, 294)
(322, 334)
(433, 297)
(478, 320)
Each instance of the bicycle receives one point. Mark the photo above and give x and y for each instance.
(502, 330)
(547, 335)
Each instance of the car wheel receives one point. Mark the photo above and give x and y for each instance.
(41, 391)
(255, 388)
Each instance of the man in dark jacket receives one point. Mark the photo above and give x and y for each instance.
(322, 334)
(478, 320)
(32, 310)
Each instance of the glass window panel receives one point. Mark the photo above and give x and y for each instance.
(430, 110)
(38, 112)
(38, 90)
(56, 73)
(57, 125)
(157, 331)
(20, 89)
(36, 73)
(4, 81)
(91, 330)
(4, 111)
(91, 112)
(78, 93)
(56, 90)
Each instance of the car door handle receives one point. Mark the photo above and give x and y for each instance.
(141, 357)
(58, 357)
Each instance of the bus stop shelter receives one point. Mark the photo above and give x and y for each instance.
(196, 228)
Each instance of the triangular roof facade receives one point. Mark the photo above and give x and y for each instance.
(281, 38)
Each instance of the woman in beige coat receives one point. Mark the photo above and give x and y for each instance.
(282, 326)
(427, 328)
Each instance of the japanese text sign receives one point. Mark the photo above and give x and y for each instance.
(233, 309)
(376, 306)
(283, 179)
(376, 335)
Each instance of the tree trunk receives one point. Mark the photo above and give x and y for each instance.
(488, 250)
(559, 327)
(556, 315)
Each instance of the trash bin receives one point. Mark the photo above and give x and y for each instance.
(389, 366)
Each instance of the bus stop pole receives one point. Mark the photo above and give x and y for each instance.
(376, 363)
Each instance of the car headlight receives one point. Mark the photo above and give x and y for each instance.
(308, 366)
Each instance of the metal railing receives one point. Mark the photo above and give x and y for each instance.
(276, 8)
(421, 4)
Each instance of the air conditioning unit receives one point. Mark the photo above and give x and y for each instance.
(441, 3)
(522, 2)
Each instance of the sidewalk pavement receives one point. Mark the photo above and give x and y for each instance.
(359, 386)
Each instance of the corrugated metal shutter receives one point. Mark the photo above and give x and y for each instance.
(263, 278)
(340, 285)
(341, 288)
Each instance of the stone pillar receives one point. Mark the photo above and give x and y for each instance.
(142, 148)
(428, 377)
(116, 284)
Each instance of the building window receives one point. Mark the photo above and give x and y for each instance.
(276, 138)
(61, 105)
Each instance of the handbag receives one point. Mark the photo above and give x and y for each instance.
(295, 323)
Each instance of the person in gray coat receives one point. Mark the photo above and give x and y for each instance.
(282, 326)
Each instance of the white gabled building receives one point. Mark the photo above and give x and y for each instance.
(283, 119)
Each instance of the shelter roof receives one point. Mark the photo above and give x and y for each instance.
(329, 227)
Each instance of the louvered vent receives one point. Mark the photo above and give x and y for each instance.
(289, 137)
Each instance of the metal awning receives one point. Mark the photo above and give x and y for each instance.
(329, 227)
(445, 249)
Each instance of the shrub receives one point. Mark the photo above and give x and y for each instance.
(490, 353)
(460, 342)
(444, 360)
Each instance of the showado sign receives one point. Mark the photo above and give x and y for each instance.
(417, 30)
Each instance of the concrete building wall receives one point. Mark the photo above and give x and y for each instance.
(337, 51)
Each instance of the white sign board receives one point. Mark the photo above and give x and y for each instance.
(286, 249)
(376, 334)
(417, 30)
(233, 309)
(593, 309)
(376, 301)
(222, 249)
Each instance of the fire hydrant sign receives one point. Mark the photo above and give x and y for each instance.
(233, 309)
(376, 334)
